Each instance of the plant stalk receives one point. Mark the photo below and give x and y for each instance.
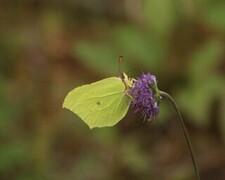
(164, 94)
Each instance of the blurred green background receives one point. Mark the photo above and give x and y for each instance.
(49, 47)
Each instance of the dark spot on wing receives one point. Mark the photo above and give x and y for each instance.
(98, 103)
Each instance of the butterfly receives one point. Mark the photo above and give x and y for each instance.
(103, 103)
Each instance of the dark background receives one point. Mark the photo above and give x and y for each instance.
(49, 47)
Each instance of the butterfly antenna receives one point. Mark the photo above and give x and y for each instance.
(120, 69)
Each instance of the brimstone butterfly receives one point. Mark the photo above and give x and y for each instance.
(100, 104)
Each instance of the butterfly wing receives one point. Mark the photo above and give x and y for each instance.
(100, 104)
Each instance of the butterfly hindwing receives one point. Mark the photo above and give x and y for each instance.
(100, 104)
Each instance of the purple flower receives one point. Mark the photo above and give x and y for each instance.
(145, 96)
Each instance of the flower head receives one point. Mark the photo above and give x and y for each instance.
(145, 96)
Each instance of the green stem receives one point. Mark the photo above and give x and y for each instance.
(164, 94)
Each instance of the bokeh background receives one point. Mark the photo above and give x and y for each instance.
(49, 47)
